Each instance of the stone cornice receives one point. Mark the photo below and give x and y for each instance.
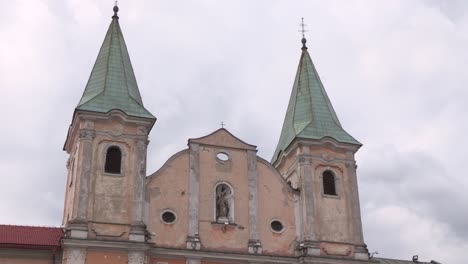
(103, 244)
(144, 124)
(324, 142)
(249, 258)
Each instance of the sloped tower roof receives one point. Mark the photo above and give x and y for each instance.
(112, 83)
(310, 114)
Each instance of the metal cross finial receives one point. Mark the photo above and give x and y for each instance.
(222, 124)
(303, 30)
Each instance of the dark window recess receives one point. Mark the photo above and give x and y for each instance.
(329, 183)
(113, 160)
(277, 226)
(168, 217)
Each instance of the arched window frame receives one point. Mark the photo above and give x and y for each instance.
(231, 216)
(337, 179)
(122, 159)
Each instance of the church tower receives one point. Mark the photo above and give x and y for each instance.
(107, 143)
(315, 155)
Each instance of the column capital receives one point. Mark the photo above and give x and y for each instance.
(304, 159)
(86, 134)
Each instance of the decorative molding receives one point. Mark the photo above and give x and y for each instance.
(86, 134)
(308, 248)
(255, 247)
(193, 242)
(141, 130)
(108, 234)
(305, 160)
(142, 143)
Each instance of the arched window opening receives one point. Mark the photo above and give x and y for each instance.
(224, 204)
(329, 183)
(113, 160)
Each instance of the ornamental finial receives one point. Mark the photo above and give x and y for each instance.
(116, 10)
(303, 30)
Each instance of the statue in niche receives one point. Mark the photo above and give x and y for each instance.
(223, 194)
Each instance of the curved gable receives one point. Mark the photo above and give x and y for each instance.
(222, 138)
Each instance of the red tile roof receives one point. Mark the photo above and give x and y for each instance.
(33, 236)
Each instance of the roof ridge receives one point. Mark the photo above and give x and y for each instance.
(6, 225)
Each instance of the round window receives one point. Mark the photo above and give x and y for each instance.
(168, 217)
(222, 156)
(276, 226)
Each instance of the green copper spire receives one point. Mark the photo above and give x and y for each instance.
(310, 114)
(112, 83)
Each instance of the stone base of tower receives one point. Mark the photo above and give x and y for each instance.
(361, 252)
(77, 229)
(331, 249)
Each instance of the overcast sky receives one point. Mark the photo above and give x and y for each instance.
(395, 71)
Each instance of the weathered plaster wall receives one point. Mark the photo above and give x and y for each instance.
(110, 203)
(106, 257)
(275, 202)
(28, 256)
(248, 175)
(332, 212)
(168, 189)
(233, 172)
(167, 261)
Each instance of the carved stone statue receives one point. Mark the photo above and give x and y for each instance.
(223, 194)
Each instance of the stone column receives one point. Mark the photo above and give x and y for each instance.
(138, 229)
(192, 261)
(309, 245)
(361, 251)
(75, 255)
(254, 244)
(136, 257)
(78, 226)
(193, 239)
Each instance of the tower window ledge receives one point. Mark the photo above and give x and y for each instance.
(113, 174)
(331, 196)
(224, 224)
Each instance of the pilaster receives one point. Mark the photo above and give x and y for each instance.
(75, 255)
(361, 251)
(307, 246)
(193, 239)
(254, 244)
(138, 228)
(136, 257)
(193, 260)
(78, 227)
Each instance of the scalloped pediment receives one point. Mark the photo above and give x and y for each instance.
(222, 138)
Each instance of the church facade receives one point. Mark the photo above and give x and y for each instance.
(214, 202)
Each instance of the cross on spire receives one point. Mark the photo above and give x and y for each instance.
(303, 30)
(222, 124)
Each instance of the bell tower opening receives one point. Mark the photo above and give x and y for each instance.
(329, 187)
(113, 160)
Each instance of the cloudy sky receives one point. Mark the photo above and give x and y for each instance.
(395, 71)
